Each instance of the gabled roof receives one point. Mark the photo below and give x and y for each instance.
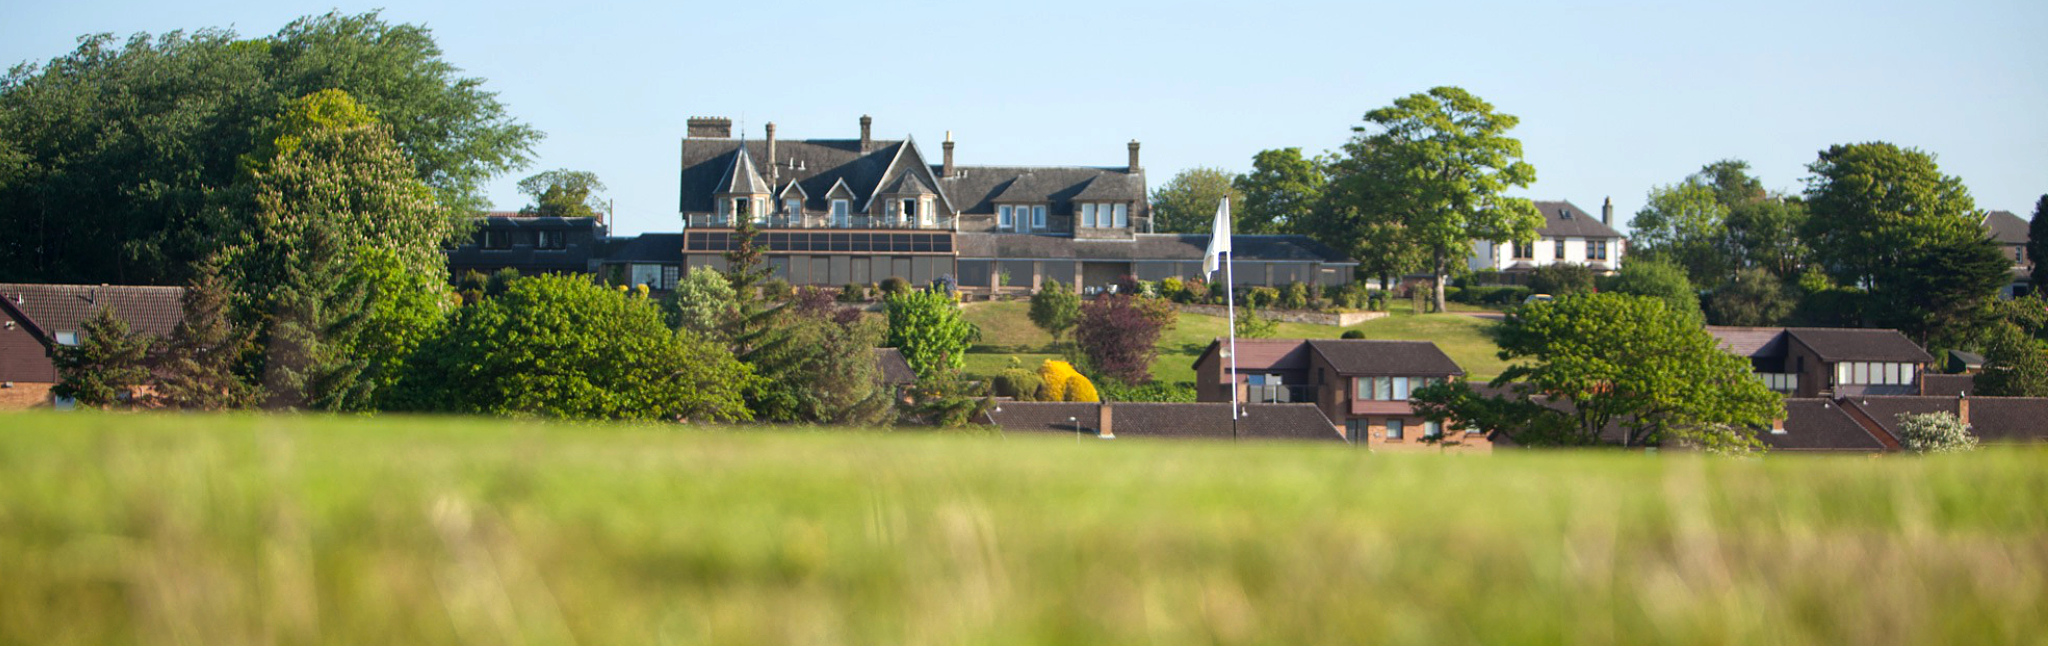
(817, 164)
(53, 308)
(741, 177)
(1110, 186)
(2005, 227)
(1562, 219)
(1849, 344)
(976, 189)
(1377, 357)
(908, 184)
(793, 189)
(1819, 425)
(908, 162)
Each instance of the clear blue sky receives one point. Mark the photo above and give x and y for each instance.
(1614, 97)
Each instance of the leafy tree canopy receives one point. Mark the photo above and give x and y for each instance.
(1279, 192)
(1055, 309)
(2014, 364)
(1685, 225)
(927, 328)
(1753, 297)
(1873, 204)
(107, 361)
(1187, 203)
(1659, 280)
(563, 193)
(1436, 166)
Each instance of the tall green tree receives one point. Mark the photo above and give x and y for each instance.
(563, 193)
(1940, 292)
(1731, 182)
(1660, 280)
(563, 347)
(1874, 204)
(1753, 297)
(196, 368)
(112, 152)
(2037, 244)
(1584, 362)
(1055, 309)
(1187, 203)
(926, 326)
(2014, 364)
(1686, 225)
(1278, 193)
(746, 269)
(107, 361)
(702, 303)
(1438, 165)
(1766, 234)
(822, 369)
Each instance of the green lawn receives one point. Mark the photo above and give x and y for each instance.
(188, 529)
(1006, 331)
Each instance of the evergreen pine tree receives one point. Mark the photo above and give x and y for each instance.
(2014, 365)
(319, 310)
(107, 361)
(2037, 243)
(196, 368)
(753, 319)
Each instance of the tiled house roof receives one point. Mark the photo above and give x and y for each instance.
(1375, 357)
(2005, 227)
(1820, 425)
(1563, 219)
(895, 370)
(1847, 344)
(52, 308)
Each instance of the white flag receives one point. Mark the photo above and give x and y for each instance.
(1219, 239)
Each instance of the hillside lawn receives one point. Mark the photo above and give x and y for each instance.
(1006, 331)
(198, 529)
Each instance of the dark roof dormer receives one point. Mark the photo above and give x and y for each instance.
(909, 185)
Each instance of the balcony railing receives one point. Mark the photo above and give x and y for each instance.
(823, 222)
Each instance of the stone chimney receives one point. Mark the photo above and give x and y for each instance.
(867, 133)
(1102, 423)
(709, 128)
(774, 169)
(947, 170)
(1607, 212)
(1134, 156)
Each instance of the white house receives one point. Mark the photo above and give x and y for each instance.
(1568, 234)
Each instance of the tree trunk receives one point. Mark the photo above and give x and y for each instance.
(1441, 269)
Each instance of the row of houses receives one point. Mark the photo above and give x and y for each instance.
(1844, 388)
(859, 211)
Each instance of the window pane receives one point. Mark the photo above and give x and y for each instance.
(1432, 429)
(1038, 216)
(1383, 388)
(1363, 389)
(1842, 373)
(1087, 215)
(1123, 216)
(1393, 429)
(1400, 389)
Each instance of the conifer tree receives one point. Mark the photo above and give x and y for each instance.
(196, 368)
(107, 360)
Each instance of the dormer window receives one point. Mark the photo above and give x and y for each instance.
(793, 207)
(1037, 216)
(1004, 218)
(910, 210)
(1088, 216)
(1123, 215)
(1105, 215)
(842, 212)
(551, 239)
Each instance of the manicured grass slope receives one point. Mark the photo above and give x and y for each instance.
(1006, 331)
(223, 530)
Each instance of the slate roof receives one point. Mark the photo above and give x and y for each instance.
(909, 184)
(976, 189)
(2009, 419)
(1375, 357)
(2005, 227)
(661, 248)
(1752, 342)
(575, 257)
(1820, 425)
(895, 370)
(1885, 410)
(1175, 420)
(741, 177)
(1145, 246)
(817, 164)
(54, 308)
(1948, 385)
(1563, 219)
(1849, 344)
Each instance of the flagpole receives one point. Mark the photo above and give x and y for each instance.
(1230, 306)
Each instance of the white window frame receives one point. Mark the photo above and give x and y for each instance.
(67, 337)
(1038, 216)
(1123, 215)
(1003, 218)
(793, 207)
(1087, 215)
(842, 212)
(1394, 429)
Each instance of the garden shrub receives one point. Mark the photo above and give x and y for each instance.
(1294, 297)
(776, 289)
(894, 286)
(1354, 334)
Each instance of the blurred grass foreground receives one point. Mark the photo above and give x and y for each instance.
(298, 530)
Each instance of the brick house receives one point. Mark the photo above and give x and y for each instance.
(2010, 232)
(36, 319)
(1829, 362)
(1361, 385)
(530, 245)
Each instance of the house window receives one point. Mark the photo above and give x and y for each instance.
(1525, 251)
(1038, 217)
(554, 239)
(497, 239)
(1003, 220)
(669, 275)
(910, 212)
(1560, 250)
(1088, 215)
(1394, 429)
(840, 213)
(67, 338)
(1432, 430)
(649, 275)
(1596, 249)
(793, 207)
(1123, 215)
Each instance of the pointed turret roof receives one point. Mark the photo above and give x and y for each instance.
(741, 178)
(909, 184)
